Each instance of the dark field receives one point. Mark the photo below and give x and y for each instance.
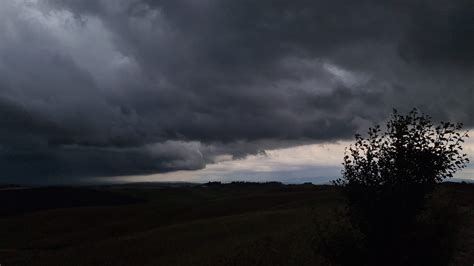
(233, 224)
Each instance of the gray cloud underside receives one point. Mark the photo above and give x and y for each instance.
(119, 87)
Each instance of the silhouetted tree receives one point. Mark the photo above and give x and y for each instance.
(388, 175)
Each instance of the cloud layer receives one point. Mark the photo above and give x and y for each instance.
(127, 87)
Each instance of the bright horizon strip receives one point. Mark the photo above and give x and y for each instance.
(316, 163)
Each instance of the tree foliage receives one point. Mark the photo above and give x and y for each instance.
(388, 174)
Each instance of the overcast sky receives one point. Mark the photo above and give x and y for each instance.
(219, 89)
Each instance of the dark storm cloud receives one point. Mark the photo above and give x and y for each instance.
(441, 34)
(119, 87)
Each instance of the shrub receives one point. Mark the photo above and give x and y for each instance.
(388, 175)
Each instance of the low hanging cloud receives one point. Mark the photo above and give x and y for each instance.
(128, 87)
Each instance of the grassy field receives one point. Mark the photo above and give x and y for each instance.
(233, 224)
